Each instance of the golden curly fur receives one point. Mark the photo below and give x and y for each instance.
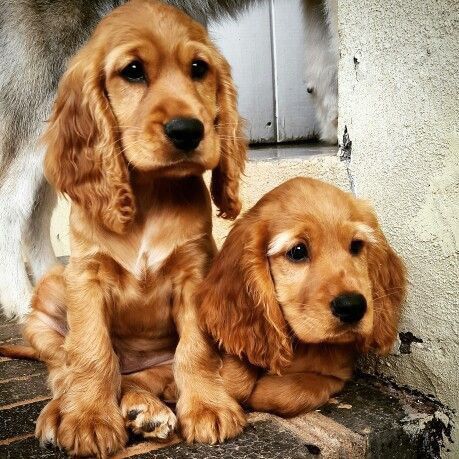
(140, 230)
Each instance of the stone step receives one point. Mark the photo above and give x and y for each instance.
(371, 418)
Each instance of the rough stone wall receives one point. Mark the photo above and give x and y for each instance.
(398, 97)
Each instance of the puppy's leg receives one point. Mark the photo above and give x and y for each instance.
(90, 420)
(322, 55)
(239, 379)
(143, 411)
(48, 308)
(46, 325)
(292, 394)
(39, 250)
(18, 186)
(206, 412)
(48, 423)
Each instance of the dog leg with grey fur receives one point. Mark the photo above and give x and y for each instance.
(321, 57)
(17, 194)
(37, 238)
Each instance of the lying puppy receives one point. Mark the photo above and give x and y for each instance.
(143, 110)
(304, 282)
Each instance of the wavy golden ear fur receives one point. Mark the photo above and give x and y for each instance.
(233, 146)
(238, 300)
(388, 279)
(84, 157)
(387, 274)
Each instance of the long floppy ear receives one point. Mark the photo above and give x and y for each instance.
(238, 304)
(388, 278)
(84, 158)
(233, 146)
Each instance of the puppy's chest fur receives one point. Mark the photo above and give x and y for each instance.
(142, 326)
(142, 269)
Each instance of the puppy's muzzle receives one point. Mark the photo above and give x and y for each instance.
(185, 133)
(349, 307)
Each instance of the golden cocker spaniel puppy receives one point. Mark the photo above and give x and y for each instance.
(304, 282)
(143, 110)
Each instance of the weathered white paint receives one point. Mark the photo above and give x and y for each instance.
(398, 96)
(60, 231)
(246, 43)
(294, 106)
(265, 48)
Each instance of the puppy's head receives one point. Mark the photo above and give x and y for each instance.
(307, 262)
(149, 92)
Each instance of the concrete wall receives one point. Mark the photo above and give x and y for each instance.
(398, 97)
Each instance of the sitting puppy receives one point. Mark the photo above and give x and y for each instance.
(143, 110)
(304, 282)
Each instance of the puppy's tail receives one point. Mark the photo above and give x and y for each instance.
(18, 352)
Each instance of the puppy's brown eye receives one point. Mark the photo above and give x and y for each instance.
(134, 72)
(356, 246)
(199, 69)
(299, 252)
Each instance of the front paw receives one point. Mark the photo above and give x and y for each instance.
(210, 422)
(48, 423)
(99, 432)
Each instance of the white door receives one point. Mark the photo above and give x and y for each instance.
(265, 47)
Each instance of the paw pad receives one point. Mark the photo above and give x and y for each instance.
(132, 414)
(150, 419)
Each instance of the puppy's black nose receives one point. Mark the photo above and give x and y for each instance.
(349, 307)
(185, 133)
